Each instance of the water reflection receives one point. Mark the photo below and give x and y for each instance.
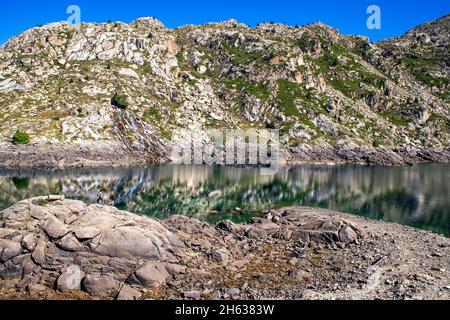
(416, 196)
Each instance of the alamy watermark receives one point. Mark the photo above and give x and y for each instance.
(374, 20)
(75, 15)
(228, 147)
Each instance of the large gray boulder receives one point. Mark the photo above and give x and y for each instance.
(67, 245)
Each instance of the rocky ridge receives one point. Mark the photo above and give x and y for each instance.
(334, 98)
(69, 250)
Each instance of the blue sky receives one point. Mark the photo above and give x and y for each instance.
(349, 16)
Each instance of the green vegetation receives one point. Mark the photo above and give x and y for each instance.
(42, 202)
(21, 137)
(431, 81)
(346, 76)
(153, 113)
(258, 89)
(288, 93)
(446, 96)
(400, 122)
(376, 143)
(306, 43)
(242, 57)
(21, 183)
(120, 101)
(420, 67)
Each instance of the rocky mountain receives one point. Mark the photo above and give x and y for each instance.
(114, 93)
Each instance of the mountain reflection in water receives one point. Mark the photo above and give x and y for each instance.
(416, 196)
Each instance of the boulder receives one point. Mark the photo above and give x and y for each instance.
(29, 242)
(10, 250)
(100, 285)
(347, 235)
(128, 293)
(39, 253)
(221, 255)
(70, 243)
(152, 275)
(70, 279)
(54, 228)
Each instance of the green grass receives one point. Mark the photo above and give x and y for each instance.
(241, 57)
(258, 89)
(399, 122)
(153, 113)
(431, 81)
(346, 77)
(288, 93)
(446, 96)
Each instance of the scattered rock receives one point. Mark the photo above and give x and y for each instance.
(70, 279)
(100, 285)
(152, 275)
(129, 293)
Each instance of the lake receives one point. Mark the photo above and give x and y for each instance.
(415, 196)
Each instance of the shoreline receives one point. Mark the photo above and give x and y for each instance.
(104, 155)
(292, 253)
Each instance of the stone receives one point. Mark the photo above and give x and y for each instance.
(70, 279)
(87, 233)
(194, 295)
(8, 270)
(233, 291)
(100, 285)
(39, 253)
(10, 250)
(256, 233)
(347, 235)
(219, 255)
(129, 293)
(70, 243)
(227, 225)
(152, 275)
(55, 228)
(301, 275)
(29, 242)
(36, 288)
(202, 69)
(173, 269)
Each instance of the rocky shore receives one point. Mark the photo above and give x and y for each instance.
(69, 250)
(85, 155)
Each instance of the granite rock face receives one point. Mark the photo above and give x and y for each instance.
(68, 245)
(334, 98)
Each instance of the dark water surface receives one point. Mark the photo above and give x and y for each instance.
(416, 196)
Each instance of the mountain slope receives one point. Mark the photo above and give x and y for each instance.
(333, 97)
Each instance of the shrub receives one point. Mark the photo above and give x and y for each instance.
(376, 143)
(21, 183)
(21, 138)
(120, 101)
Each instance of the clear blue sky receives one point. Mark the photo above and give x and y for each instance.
(349, 16)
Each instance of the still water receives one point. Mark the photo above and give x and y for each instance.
(415, 196)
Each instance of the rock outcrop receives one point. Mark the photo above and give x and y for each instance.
(68, 245)
(66, 249)
(333, 98)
